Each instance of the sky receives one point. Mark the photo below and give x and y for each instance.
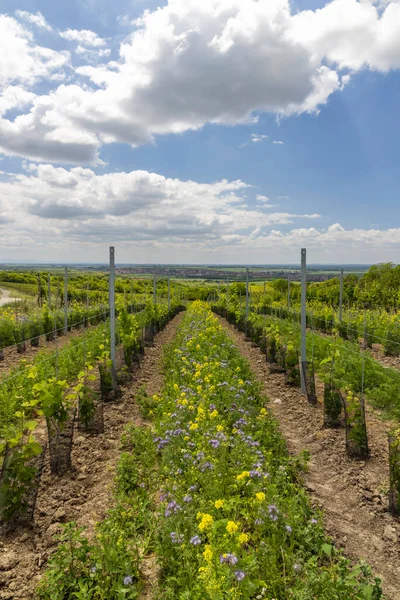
(220, 131)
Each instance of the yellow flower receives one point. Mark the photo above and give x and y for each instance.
(198, 347)
(220, 428)
(176, 387)
(243, 475)
(243, 538)
(184, 402)
(206, 522)
(219, 503)
(194, 426)
(208, 554)
(232, 527)
(260, 496)
(214, 414)
(263, 411)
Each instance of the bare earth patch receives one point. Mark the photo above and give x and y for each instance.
(352, 494)
(85, 494)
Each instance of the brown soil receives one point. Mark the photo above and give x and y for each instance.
(387, 361)
(352, 494)
(85, 494)
(12, 358)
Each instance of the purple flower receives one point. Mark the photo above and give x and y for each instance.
(214, 443)
(229, 559)
(176, 538)
(273, 512)
(288, 529)
(128, 580)
(206, 465)
(258, 521)
(187, 498)
(195, 540)
(172, 508)
(240, 575)
(314, 521)
(255, 473)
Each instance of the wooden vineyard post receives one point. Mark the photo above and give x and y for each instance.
(247, 294)
(49, 290)
(65, 300)
(341, 297)
(112, 316)
(303, 347)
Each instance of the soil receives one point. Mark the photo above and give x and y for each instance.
(12, 357)
(85, 494)
(352, 494)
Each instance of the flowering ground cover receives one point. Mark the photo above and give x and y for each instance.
(235, 522)
(212, 489)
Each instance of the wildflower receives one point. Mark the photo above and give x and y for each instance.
(273, 512)
(214, 443)
(243, 475)
(172, 508)
(195, 540)
(229, 559)
(208, 554)
(93, 569)
(314, 521)
(243, 538)
(187, 499)
(232, 527)
(220, 428)
(193, 426)
(240, 575)
(288, 529)
(260, 496)
(128, 580)
(176, 538)
(297, 567)
(214, 414)
(219, 503)
(206, 522)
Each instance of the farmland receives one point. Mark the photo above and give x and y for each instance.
(225, 475)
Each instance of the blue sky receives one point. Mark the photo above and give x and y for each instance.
(177, 145)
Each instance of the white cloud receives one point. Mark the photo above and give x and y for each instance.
(21, 60)
(35, 19)
(278, 142)
(256, 138)
(84, 37)
(190, 63)
(352, 34)
(77, 204)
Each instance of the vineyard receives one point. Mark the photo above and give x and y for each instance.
(162, 440)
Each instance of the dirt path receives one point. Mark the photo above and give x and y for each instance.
(5, 297)
(85, 494)
(350, 493)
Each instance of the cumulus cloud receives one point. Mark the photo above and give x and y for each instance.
(36, 19)
(191, 63)
(22, 61)
(84, 37)
(78, 204)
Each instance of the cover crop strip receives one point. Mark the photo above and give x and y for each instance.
(234, 522)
